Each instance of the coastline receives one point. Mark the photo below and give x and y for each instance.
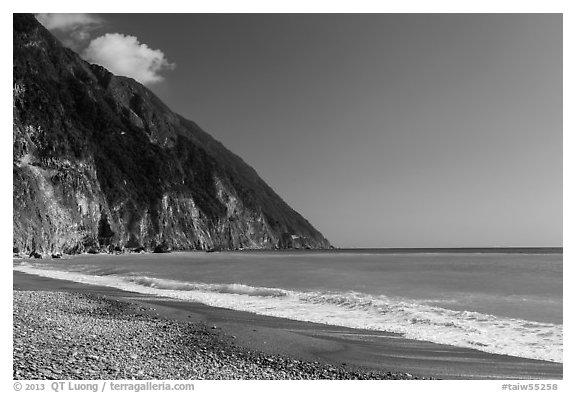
(373, 354)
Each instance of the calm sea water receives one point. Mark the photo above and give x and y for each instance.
(500, 303)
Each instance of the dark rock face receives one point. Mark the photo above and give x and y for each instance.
(101, 164)
(161, 249)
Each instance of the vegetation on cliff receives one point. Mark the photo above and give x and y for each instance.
(100, 163)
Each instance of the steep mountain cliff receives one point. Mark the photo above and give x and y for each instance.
(100, 163)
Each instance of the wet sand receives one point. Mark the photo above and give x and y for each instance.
(352, 349)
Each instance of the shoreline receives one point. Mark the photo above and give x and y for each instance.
(350, 349)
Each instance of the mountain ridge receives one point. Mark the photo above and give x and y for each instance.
(102, 164)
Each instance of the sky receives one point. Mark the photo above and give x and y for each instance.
(383, 130)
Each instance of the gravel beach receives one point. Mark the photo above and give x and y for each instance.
(64, 335)
(113, 324)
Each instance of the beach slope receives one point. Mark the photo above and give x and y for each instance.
(90, 332)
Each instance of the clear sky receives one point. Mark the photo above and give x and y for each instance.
(383, 130)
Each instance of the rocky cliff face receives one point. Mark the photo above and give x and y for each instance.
(100, 163)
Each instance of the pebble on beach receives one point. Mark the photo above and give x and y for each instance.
(62, 335)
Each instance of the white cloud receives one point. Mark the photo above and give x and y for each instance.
(74, 29)
(68, 22)
(125, 55)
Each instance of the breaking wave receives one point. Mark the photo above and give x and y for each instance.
(238, 289)
(414, 320)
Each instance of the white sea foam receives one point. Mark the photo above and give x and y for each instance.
(420, 321)
(238, 289)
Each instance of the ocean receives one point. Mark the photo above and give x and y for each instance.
(505, 303)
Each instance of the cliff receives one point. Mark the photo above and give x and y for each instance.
(101, 164)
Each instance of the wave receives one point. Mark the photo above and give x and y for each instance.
(414, 320)
(239, 289)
